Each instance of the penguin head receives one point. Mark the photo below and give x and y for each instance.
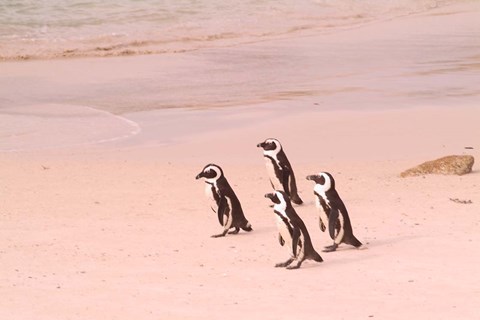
(279, 198)
(323, 180)
(270, 145)
(211, 173)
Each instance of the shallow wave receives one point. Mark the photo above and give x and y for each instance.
(31, 30)
(53, 126)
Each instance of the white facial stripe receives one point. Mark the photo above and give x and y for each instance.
(322, 188)
(328, 182)
(217, 171)
(274, 152)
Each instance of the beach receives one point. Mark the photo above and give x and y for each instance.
(102, 217)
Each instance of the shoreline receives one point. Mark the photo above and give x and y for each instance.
(399, 132)
(124, 44)
(389, 64)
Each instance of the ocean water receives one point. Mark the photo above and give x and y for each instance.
(39, 29)
(276, 57)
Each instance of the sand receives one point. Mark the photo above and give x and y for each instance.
(113, 225)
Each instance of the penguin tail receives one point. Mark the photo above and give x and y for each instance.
(296, 199)
(247, 227)
(353, 241)
(317, 257)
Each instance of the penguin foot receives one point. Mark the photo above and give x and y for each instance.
(331, 248)
(234, 231)
(220, 235)
(248, 228)
(284, 264)
(293, 267)
(297, 265)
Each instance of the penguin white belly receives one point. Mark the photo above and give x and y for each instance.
(301, 249)
(210, 197)
(341, 232)
(228, 219)
(284, 233)
(271, 174)
(321, 212)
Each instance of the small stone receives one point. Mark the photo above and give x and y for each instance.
(458, 165)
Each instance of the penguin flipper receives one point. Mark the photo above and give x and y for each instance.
(222, 210)
(281, 240)
(285, 176)
(293, 188)
(322, 225)
(295, 236)
(332, 222)
(352, 240)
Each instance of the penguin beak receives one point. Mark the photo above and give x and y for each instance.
(200, 175)
(269, 195)
(261, 145)
(311, 177)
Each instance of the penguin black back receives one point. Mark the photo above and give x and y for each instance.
(333, 209)
(292, 231)
(279, 169)
(226, 204)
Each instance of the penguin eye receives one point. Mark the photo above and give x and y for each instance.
(322, 180)
(270, 145)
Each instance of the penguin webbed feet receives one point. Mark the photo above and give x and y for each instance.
(284, 264)
(331, 248)
(293, 267)
(220, 234)
(322, 226)
(247, 228)
(234, 231)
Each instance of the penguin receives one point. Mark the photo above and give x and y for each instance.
(224, 201)
(332, 212)
(279, 169)
(292, 231)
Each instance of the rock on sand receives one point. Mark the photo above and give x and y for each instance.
(458, 165)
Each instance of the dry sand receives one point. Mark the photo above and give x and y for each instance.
(105, 233)
(121, 229)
